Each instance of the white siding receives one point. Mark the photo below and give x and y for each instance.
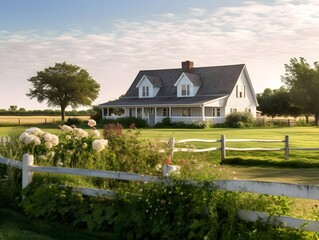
(146, 83)
(244, 103)
(184, 80)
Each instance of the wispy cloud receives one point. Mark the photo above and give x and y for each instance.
(264, 36)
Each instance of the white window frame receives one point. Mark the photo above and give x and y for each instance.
(145, 91)
(185, 90)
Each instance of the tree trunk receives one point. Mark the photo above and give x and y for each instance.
(316, 119)
(307, 118)
(62, 113)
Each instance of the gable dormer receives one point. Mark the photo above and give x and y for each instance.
(188, 84)
(148, 86)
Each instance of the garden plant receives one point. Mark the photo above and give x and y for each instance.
(174, 209)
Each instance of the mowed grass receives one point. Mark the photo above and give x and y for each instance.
(31, 120)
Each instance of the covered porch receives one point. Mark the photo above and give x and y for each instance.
(155, 114)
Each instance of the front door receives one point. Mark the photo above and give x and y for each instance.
(150, 115)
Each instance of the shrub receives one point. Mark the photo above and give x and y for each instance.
(127, 122)
(128, 153)
(73, 121)
(239, 119)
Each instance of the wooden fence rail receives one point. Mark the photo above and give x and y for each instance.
(260, 187)
(223, 146)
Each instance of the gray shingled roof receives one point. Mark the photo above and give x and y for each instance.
(155, 80)
(214, 82)
(194, 78)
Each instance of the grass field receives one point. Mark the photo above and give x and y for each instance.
(27, 120)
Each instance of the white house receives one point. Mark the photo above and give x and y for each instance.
(186, 94)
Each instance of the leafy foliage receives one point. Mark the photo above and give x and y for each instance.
(277, 102)
(127, 122)
(302, 82)
(239, 119)
(63, 85)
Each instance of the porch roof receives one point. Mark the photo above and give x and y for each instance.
(161, 101)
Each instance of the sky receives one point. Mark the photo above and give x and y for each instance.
(114, 39)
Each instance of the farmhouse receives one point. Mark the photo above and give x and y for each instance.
(186, 94)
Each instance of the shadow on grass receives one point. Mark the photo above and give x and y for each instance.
(14, 225)
(270, 163)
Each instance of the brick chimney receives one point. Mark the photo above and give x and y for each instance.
(187, 65)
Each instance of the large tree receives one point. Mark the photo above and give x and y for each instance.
(302, 82)
(276, 102)
(64, 85)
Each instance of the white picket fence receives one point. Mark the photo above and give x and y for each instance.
(223, 146)
(260, 187)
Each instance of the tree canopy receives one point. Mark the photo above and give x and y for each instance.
(64, 85)
(302, 82)
(276, 102)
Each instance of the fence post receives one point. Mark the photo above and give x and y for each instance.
(287, 147)
(27, 161)
(223, 148)
(171, 144)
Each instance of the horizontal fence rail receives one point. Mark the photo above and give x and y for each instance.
(259, 187)
(223, 146)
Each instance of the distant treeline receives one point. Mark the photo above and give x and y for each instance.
(47, 112)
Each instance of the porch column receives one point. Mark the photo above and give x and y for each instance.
(203, 112)
(143, 116)
(169, 112)
(136, 112)
(155, 114)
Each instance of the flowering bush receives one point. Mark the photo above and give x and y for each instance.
(74, 147)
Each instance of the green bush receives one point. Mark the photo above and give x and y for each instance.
(73, 121)
(129, 153)
(161, 211)
(239, 120)
(127, 122)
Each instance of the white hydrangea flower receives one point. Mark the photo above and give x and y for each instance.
(66, 128)
(23, 136)
(28, 139)
(95, 133)
(54, 139)
(79, 132)
(47, 137)
(48, 145)
(91, 123)
(99, 144)
(37, 141)
(84, 145)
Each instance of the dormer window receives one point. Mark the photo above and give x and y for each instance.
(185, 90)
(188, 84)
(148, 86)
(145, 91)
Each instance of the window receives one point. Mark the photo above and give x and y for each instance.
(185, 90)
(240, 91)
(233, 110)
(216, 112)
(165, 112)
(131, 112)
(145, 91)
(186, 112)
